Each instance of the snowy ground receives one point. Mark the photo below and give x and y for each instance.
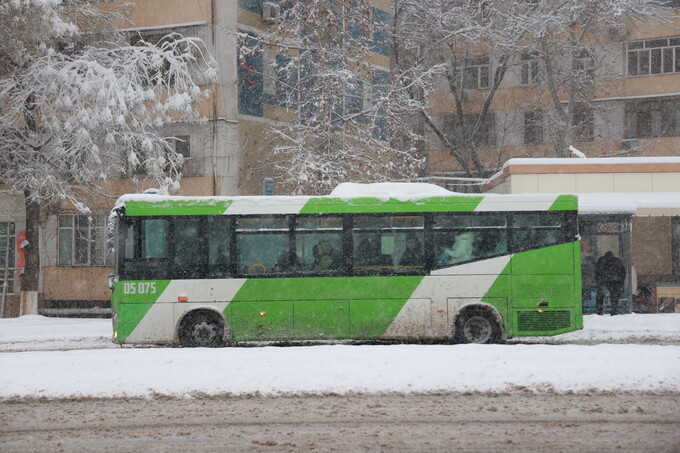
(57, 357)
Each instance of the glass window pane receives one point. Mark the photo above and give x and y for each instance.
(409, 249)
(154, 238)
(470, 78)
(66, 221)
(535, 238)
(219, 247)
(484, 77)
(372, 222)
(261, 253)
(319, 223)
(656, 61)
(667, 60)
(82, 241)
(65, 247)
(635, 45)
(411, 221)
(373, 252)
(453, 247)
(187, 248)
(319, 252)
(543, 219)
(677, 59)
(262, 223)
(644, 62)
(98, 247)
(632, 63)
(469, 220)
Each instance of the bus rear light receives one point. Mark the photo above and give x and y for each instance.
(441, 311)
(182, 299)
(263, 313)
(540, 310)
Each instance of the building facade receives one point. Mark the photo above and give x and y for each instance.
(227, 154)
(631, 110)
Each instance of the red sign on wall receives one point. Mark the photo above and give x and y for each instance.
(21, 255)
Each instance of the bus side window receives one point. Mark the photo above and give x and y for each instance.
(219, 247)
(146, 249)
(187, 257)
(535, 230)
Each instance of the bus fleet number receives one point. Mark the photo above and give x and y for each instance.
(139, 288)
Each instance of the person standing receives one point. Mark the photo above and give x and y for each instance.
(609, 273)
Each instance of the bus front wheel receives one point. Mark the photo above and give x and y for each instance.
(477, 325)
(201, 329)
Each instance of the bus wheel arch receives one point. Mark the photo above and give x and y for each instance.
(202, 327)
(478, 323)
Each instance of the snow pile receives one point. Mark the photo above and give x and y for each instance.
(339, 369)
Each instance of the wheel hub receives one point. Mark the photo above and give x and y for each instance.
(203, 333)
(477, 329)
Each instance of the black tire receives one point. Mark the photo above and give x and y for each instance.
(478, 325)
(201, 329)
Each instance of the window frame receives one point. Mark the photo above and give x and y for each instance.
(530, 70)
(650, 57)
(533, 127)
(108, 258)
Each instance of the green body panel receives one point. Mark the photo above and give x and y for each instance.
(370, 318)
(131, 308)
(317, 308)
(321, 319)
(129, 317)
(547, 279)
(370, 205)
(177, 207)
(565, 203)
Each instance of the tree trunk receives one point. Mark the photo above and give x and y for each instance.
(30, 277)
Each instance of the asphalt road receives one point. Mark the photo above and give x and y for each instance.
(521, 421)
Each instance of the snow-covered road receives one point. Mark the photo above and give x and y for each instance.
(340, 369)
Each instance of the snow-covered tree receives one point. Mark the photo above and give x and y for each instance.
(475, 44)
(79, 104)
(570, 40)
(342, 108)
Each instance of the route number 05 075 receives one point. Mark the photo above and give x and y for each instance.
(139, 288)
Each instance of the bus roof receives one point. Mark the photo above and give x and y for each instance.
(152, 205)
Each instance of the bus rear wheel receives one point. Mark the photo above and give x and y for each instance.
(201, 330)
(477, 325)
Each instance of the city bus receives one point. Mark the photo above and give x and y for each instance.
(214, 271)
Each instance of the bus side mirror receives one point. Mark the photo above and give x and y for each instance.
(111, 278)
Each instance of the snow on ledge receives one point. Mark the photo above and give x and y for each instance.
(402, 191)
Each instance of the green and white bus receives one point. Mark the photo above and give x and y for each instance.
(210, 271)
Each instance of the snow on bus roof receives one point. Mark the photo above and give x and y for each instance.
(402, 191)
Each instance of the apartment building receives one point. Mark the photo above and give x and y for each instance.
(225, 155)
(632, 108)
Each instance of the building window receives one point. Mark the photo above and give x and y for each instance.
(8, 249)
(482, 134)
(653, 56)
(583, 123)
(183, 146)
(533, 127)
(529, 67)
(583, 62)
(653, 119)
(82, 241)
(474, 73)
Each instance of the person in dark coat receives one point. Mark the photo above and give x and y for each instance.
(413, 253)
(610, 274)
